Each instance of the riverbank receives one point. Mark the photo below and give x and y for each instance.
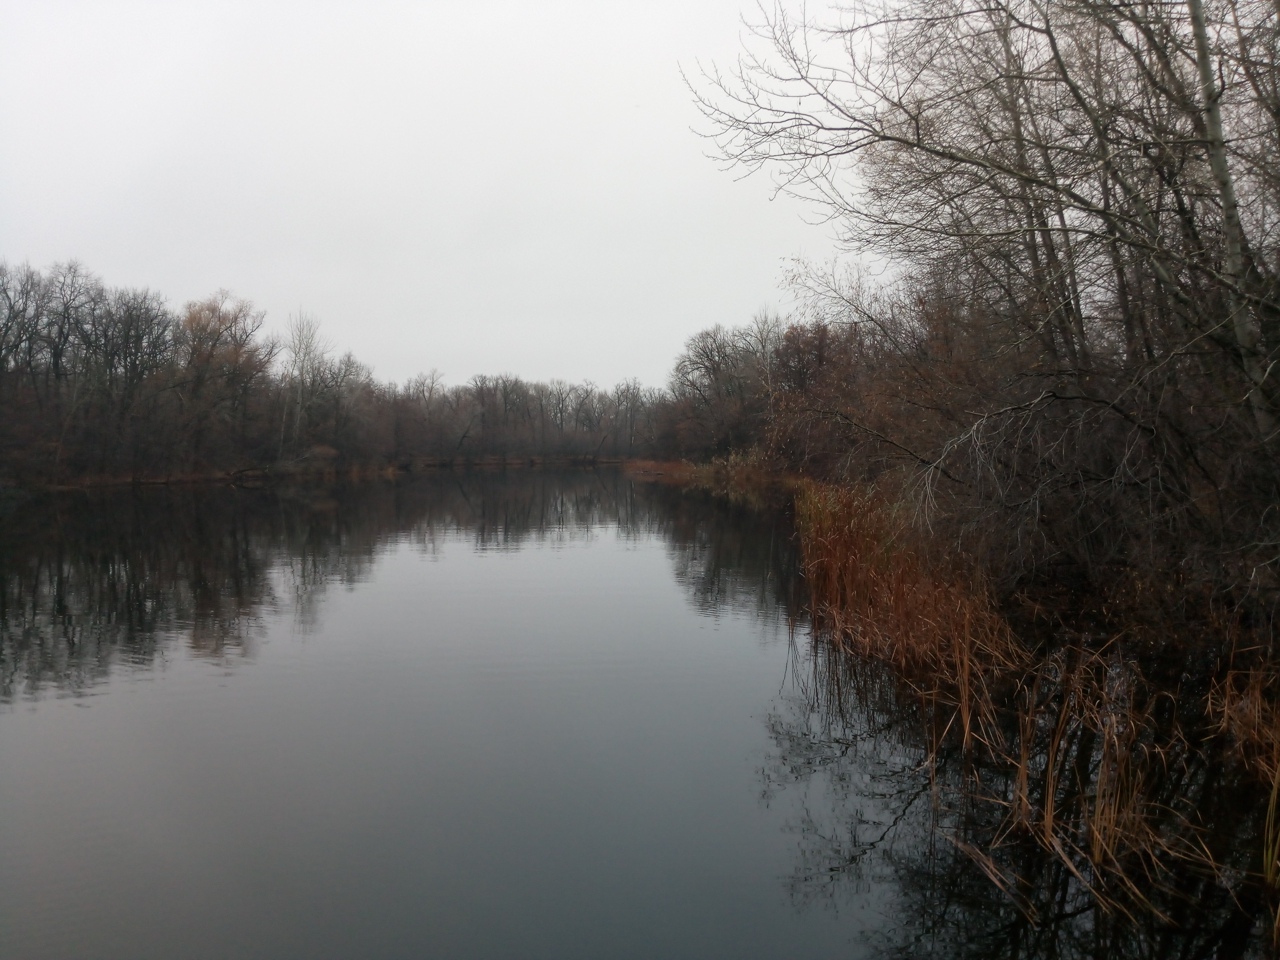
(1100, 698)
(1127, 730)
(332, 469)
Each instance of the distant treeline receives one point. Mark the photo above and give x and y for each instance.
(104, 382)
(1115, 457)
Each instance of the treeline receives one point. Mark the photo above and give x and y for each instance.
(104, 382)
(1074, 360)
(1077, 352)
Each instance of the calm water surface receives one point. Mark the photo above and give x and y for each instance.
(497, 716)
(521, 716)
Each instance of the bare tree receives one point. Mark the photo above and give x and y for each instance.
(306, 356)
(1081, 201)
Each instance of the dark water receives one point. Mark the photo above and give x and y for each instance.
(464, 717)
(524, 716)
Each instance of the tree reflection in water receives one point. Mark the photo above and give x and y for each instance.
(110, 579)
(106, 578)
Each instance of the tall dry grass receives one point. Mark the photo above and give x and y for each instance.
(877, 591)
(1086, 754)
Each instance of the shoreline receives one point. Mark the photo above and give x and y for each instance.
(322, 471)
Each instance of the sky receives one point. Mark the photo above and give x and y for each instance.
(475, 187)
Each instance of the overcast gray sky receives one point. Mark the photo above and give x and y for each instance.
(474, 186)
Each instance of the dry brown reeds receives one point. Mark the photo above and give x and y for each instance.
(877, 592)
(1246, 708)
(1090, 760)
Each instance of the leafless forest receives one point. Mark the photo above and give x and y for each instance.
(1063, 352)
(109, 383)
(1059, 361)
(1075, 342)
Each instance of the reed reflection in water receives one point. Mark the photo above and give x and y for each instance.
(887, 798)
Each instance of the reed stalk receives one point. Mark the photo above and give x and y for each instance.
(1077, 733)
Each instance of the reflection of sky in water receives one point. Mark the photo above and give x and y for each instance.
(348, 737)
(476, 716)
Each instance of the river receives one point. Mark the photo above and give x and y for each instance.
(520, 715)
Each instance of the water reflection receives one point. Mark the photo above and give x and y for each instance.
(889, 799)
(888, 849)
(98, 579)
(89, 581)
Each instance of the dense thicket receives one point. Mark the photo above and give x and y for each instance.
(105, 382)
(1077, 344)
